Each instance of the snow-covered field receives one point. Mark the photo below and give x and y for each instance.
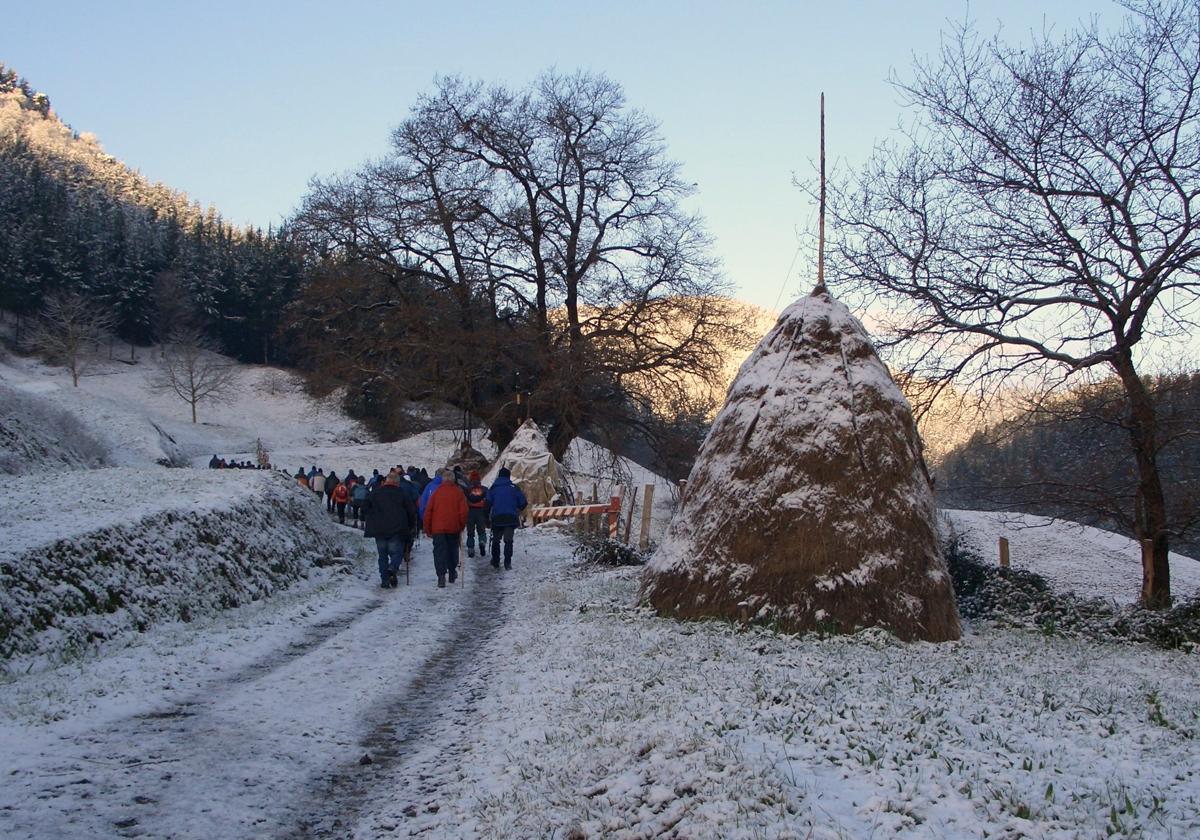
(1076, 558)
(540, 702)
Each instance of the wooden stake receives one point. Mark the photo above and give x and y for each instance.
(647, 504)
(821, 212)
(1003, 553)
(629, 516)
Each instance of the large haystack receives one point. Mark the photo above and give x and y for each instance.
(467, 458)
(809, 506)
(533, 467)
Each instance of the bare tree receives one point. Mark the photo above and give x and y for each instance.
(70, 331)
(1041, 221)
(550, 223)
(193, 371)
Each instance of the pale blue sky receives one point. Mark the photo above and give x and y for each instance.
(240, 103)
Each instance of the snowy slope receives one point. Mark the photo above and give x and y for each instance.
(1077, 558)
(99, 555)
(143, 426)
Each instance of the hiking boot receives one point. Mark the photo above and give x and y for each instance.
(441, 581)
(385, 584)
(507, 564)
(453, 576)
(394, 579)
(470, 553)
(495, 564)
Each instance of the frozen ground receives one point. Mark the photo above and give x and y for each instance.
(1077, 558)
(539, 701)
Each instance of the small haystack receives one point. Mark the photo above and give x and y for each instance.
(534, 469)
(468, 458)
(809, 506)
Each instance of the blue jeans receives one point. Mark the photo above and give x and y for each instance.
(505, 533)
(445, 555)
(391, 554)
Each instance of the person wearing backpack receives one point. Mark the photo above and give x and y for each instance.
(358, 495)
(477, 518)
(339, 497)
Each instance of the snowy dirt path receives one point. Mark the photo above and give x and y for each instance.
(261, 733)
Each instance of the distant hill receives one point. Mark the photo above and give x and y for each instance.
(75, 218)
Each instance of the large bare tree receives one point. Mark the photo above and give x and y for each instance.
(548, 220)
(1040, 222)
(70, 331)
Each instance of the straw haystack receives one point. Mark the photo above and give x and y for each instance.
(534, 469)
(468, 458)
(809, 506)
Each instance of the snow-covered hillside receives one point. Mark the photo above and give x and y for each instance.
(1071, 557)
(141, 425)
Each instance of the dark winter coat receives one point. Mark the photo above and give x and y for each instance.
(388, 513)
(506, 502)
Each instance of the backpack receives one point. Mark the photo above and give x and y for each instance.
(341, 494)
(360, 493)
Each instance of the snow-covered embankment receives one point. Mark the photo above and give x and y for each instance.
(87, 557)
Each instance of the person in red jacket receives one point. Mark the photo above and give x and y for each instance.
(444, 519)
(341, 495)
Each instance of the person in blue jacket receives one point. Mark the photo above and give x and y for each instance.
(505, 501)
(426, 492)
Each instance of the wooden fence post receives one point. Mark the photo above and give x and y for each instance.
(1003, 552)
(647, 504)
(629, 516)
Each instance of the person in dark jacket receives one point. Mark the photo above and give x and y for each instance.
(331, 483)
(476, 515)
(413, 495)
(390, 521)
(375, 479)
(444, 518)
(214, 463)
(505, 501)
(358, 497)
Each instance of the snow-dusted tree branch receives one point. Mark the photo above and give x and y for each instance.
(194, 372)
(70, 331)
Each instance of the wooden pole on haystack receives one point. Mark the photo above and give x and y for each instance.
(821, 211)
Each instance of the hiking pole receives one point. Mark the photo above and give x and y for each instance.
(462, 575)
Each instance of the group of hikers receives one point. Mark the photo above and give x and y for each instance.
(395, 508)
(216, 463)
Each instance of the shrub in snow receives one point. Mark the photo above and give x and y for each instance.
(809, 506)
(192, 559)
(37, 435)
(601, 551)
(1021, 598)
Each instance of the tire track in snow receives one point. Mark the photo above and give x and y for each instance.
(448, 685)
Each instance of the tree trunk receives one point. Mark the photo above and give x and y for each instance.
(193, 412)
(1150, 507)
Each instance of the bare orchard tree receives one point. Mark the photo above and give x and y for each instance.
(70, 331)
(193, 371)
(1040, 222)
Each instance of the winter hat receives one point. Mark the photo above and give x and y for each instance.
(474, 476)
(504, 473)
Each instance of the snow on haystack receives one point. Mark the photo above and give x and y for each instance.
(809, 506)
(468, 458)
(533, 467)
